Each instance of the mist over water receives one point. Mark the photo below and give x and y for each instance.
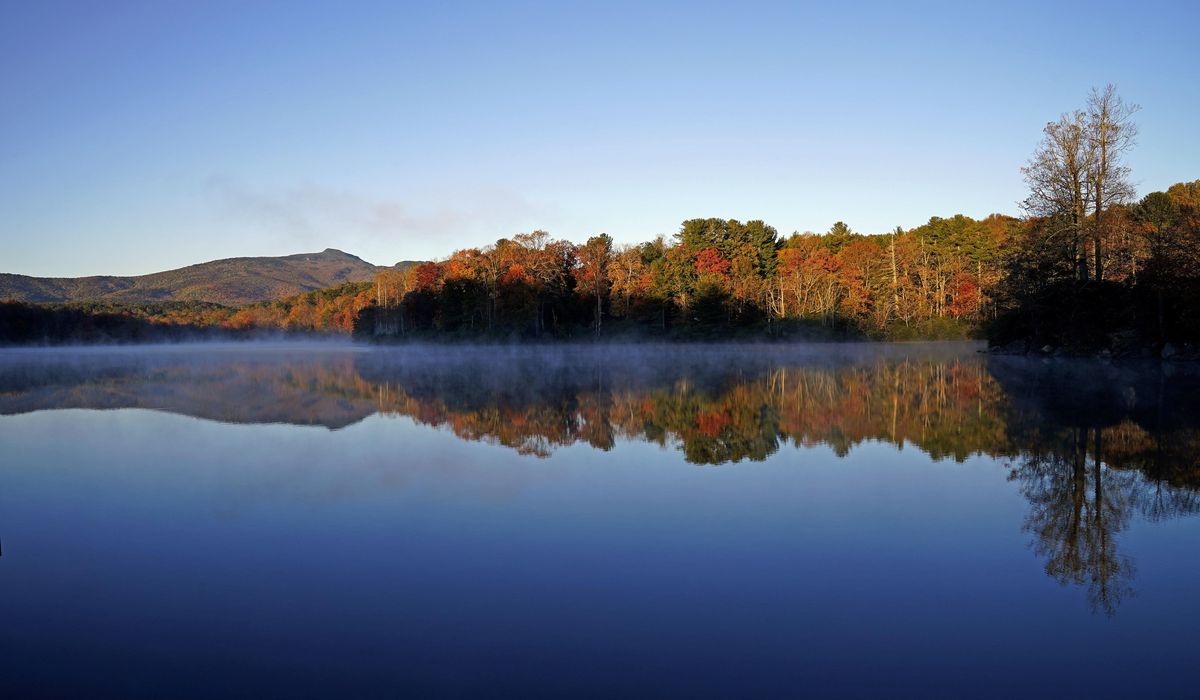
(310, 519)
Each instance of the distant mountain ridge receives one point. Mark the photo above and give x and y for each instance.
(231, 281)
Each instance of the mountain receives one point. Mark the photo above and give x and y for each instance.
(232, 281)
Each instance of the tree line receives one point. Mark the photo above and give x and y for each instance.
(1089, 268)
(714, 277)
(317, 313)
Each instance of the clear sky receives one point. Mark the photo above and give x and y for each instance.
(136, 137)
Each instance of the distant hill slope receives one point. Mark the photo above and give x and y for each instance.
(233, 281)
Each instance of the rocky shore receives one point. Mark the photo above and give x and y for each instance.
(1123, 346)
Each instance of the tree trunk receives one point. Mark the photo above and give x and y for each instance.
(597, 311)
(895, 280)
(1077, 235)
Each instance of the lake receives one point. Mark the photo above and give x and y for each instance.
(720, 521)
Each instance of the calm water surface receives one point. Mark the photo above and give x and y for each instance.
(845, 521)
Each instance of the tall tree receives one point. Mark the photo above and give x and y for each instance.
(895, 271)
(629, 276)
(1110, 134)
(839, 237)
(594, 259)
(1058, 179)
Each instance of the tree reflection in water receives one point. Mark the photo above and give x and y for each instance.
(1093, 445)
(1076, 512)
(717, 407)
(1090, 445)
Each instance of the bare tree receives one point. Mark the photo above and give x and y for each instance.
(1059, 183)
(1078, 170)
(1110, 134)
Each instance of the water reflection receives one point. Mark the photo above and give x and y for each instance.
(714, 409)
(1093, 445)
(1090, 445)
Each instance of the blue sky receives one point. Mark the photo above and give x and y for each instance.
(143, 136)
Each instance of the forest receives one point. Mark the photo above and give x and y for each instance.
(1089, 268)
(715, 278)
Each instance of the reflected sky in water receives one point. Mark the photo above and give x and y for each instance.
(724, 521)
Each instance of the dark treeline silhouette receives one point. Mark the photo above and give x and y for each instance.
(322, 312)
(22, 323)
(1147, 300)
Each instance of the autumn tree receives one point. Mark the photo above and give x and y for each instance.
(807, 280)
(594, 259)
(629, 275)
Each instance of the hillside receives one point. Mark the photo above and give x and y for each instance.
(232, 281)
